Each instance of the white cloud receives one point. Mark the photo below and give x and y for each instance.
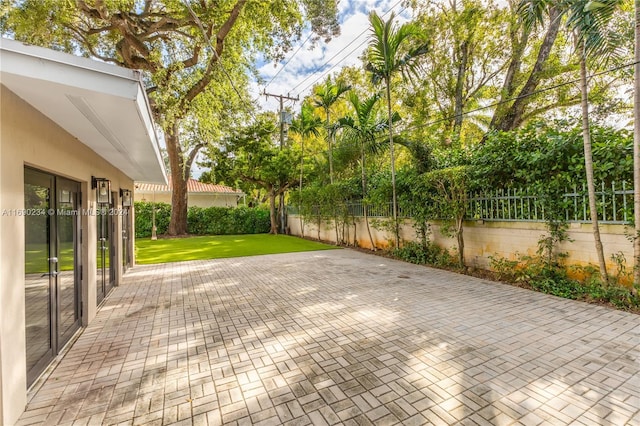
(300, 73)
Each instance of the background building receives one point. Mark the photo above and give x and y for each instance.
(199, 194)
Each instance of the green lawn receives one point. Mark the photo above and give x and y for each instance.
(220, 246)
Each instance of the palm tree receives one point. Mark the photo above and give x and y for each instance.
(306, 125)
(325, 96)
(364, 127)
(588, 20)
(387, 55)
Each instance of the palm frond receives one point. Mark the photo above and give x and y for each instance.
(590, 20)
(386, 52)
(533, 12)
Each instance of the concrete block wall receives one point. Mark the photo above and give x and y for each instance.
(483, 239)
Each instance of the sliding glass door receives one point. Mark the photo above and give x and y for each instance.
(106, 272)
(52, 267)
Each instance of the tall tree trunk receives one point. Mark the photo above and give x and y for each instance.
(513, 116)
(515, 62)
(636, 149)
(460, 239)
(180, 166)
(178, 222)
(364, 196)
(355, 231)
(272, 212)
(588, 165)
(300, 190)
(345, 233)
(459, 95)
(330, 142)
(282, 221)
(393, 166)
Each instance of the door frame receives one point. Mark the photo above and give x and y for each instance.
(61, 182)
(126, 238)
(57, 340)
(106, 235)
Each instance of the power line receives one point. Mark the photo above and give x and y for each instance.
(537, 92)
(219, 61)
(338, 53)
(289, 60)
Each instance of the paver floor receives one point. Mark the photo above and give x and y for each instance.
(341, 337)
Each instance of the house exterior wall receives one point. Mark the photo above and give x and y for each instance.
(28, 138)
(194, 199)
(484, 239)
(212, 200)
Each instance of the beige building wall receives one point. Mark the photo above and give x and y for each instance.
(212, 200)
(28, 138)
(194, 199)
(484, 239)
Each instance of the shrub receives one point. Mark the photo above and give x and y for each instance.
(553, 279)
(144, 218)
(204, 221)
(429, 254)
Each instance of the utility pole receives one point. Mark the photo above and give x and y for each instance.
(283, 121)
(281, 112)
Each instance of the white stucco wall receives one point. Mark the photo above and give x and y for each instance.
(484, 239)
(28, 138)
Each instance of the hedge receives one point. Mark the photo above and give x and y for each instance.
(204, 221)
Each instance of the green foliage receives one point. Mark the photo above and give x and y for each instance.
(536, 272)
(144, 218)
(548, 161)
(623, 275)
(429, 254)
(469, 40)
(414, 195)
(389, 49)
(551, 153)
(227, 221)
(505, 269)
(252, 160)
(328, 203)
(203, 221)
(196, 57)
(449, 191)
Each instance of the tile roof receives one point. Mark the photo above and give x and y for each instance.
(192, 186)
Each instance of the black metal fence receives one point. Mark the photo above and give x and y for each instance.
(615, 205)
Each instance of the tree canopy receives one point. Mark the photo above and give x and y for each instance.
(182, 47)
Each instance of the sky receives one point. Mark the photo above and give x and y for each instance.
(308, 67)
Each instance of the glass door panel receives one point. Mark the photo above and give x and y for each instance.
(52, 279)
(106, 262)
(39, 272)
(126, 230)
(68, 277)
(102, 252)
(112, 260)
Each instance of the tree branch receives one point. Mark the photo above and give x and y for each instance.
(192, 156)
(224, 30)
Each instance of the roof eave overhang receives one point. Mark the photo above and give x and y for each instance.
(104, 106)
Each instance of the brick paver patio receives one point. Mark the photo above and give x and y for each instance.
(341, 337)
